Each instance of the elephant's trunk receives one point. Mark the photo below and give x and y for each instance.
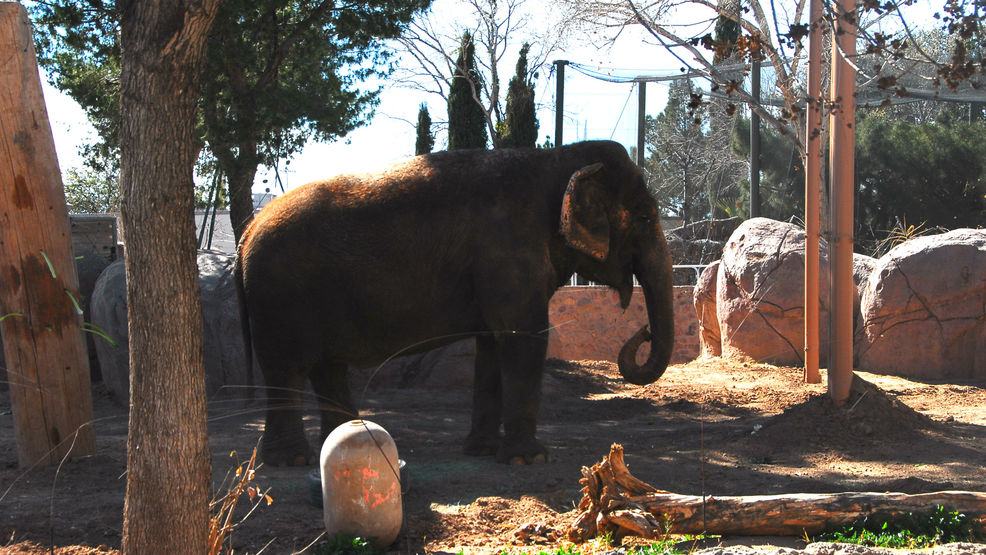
(653, 270)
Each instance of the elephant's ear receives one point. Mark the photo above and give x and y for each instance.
(583, 214)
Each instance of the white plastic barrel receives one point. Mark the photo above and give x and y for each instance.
(361, 489)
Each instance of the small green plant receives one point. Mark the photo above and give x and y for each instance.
(11, 315)
(608, 539)
(342, 544)
(677, 545)
(663, 547)
(567, 550)
(914, 531)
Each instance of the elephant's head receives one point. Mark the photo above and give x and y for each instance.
(612, 221)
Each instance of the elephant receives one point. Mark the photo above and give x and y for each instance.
(357, 268)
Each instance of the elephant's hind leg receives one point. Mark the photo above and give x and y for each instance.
(284, 441)
(331, 385)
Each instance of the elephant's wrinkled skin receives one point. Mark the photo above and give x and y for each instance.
(358, 268)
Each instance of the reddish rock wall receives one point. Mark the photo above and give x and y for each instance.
(588, 324)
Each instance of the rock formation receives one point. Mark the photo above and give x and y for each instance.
(760, 293)
(225, 356)
(924, 308)
(705, 308)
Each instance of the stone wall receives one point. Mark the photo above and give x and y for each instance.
(588, 324)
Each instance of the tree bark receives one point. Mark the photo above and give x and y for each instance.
(168, 464)
(241, 172)
(615, 501)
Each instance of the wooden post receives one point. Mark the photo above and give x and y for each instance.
(842, 129)
(813, 173)
(47, 365)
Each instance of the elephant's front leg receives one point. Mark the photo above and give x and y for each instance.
(521, 358)
(484, 436)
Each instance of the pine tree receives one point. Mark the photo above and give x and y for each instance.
(466, 117)
(521, 124)
(425, 141)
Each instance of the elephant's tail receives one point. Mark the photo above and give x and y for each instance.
(244, 321)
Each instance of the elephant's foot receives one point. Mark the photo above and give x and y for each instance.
(525, 452)
(282, 454)
(481, 445)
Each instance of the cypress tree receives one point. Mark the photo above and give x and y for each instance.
(727, 31)
(425, 141)
(521, 129)
(466, 117)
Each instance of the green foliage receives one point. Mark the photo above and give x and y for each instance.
(663, 547)
(684, 166)
(915, 531)
(77, 43)
(782, 175)
(520, 123)
(90, 191)
(930, 173)
(277, 73)
(341, 544)
(281, 73)
(466, 116)
(209, 195)
(425, 141)
(568, 550)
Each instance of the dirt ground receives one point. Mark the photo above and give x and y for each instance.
(711, 426)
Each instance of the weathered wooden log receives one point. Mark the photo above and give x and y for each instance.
(614, 501)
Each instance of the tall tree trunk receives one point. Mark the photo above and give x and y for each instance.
(168, 465)
(240, 172)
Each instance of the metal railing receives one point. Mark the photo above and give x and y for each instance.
(579, 281)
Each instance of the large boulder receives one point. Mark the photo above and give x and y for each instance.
(225, 355)
(704, 297)
(862, 267)
(109, 316)
(924, 308)
(760, 293)
(89, 267)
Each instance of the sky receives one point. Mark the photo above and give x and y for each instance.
(594, 110)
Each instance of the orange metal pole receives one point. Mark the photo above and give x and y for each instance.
(813, 167)
(842, 166)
